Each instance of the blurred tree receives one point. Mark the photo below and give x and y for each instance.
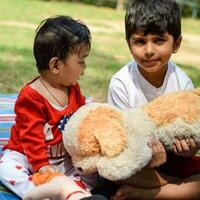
(120, 4)
(189, 7)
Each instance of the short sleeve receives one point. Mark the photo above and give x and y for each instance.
(117, 94)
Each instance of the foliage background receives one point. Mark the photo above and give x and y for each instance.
(19, 19)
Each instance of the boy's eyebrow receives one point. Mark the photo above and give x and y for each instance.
(137, 37)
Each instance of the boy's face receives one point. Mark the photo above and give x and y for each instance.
(152, 52)
(73, 67)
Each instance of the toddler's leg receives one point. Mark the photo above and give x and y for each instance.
(14, 173)
(60, 187)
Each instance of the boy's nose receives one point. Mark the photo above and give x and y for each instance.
(149, 50)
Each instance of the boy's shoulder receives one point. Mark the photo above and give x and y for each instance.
(178, 70)
(183, 78)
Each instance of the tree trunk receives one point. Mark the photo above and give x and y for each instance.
(120, 4)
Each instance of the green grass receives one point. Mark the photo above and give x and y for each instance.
(19, 19)
(191, 25)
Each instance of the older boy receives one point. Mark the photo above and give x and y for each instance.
(153, 33)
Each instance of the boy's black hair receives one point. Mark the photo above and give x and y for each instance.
(58, 36)
(153, 16)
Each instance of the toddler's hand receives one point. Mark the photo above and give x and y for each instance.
(159, 155)
(47, 168)
(185, 147)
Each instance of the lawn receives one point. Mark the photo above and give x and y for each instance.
(19, 19)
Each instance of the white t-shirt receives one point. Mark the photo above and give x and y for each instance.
(128, 88)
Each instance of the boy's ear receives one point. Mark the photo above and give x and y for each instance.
(54, 65)
(177, 44)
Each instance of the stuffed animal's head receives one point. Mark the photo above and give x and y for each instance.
(103, 138)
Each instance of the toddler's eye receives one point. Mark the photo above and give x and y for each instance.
(82, 62)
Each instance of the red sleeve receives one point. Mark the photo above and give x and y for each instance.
(30, 121)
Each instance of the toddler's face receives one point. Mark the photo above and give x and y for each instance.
(73, 67)
(152, 52)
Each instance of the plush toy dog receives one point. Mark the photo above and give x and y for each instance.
(114, 142)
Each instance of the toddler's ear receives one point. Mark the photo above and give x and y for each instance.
(54, 65)
(177, 44)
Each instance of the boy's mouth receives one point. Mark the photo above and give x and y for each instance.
(150, 62)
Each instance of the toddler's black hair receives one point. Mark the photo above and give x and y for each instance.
(58, 36)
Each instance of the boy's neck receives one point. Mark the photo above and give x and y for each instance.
(154, 78)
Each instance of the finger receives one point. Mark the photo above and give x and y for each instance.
(178, 146)
(163, 157)
(185, 145)
(164, 154)
(174, 149)
(160, 157)
(157, 142)
(192, 143)
(154, 148)
(152, 142)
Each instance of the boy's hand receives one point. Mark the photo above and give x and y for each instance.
(159, 155)
(185, 147)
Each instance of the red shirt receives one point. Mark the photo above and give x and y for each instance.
(33, 114)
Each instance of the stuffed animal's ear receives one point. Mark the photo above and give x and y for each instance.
(102, 132)
(196, 91)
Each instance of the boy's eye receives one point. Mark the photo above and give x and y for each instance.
(138, 42)
(160, 40)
